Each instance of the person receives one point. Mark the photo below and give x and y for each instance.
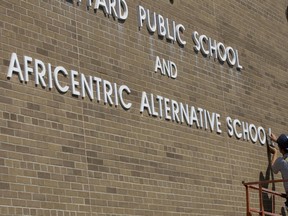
(280, 164)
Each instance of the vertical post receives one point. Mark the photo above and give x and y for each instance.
(261, 201)
(247, 201)
(273, 203)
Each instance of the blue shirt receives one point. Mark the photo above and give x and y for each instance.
(281, 164)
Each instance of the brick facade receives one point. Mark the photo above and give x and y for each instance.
(66, 155)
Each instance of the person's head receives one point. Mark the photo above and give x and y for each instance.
(283, 143)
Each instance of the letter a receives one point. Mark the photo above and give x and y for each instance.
(158, 65)
(145, 103)
(15, 68)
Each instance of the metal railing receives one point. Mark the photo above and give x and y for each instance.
(259, 186)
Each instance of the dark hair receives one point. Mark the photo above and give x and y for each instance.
(283, 142)
(284, 150)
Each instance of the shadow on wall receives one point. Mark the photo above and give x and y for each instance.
(267, 200)
(283, 212)
(287, 13)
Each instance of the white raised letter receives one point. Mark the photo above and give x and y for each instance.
(98, 81)
(74, 83)
(27, 69)
(141, 16)
(180, 28)
(196, 41)
(101, 3)
(125, 88)
(111, 8)
(58, 86)
(161, 25)
(39, 75)
(158, 65)
(203, 38)
(218, 124)
(107, 92)
(237, 122)
(120, 4)
(229, 125)
(173, 65)
(166, 109)
(12, 68)
(144, 103)
(87, 86)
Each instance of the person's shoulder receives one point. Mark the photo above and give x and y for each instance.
(280, 160)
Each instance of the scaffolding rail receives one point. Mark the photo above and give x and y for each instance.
(258, 185)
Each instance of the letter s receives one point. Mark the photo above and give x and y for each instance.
(229, 125)
(196, 41)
